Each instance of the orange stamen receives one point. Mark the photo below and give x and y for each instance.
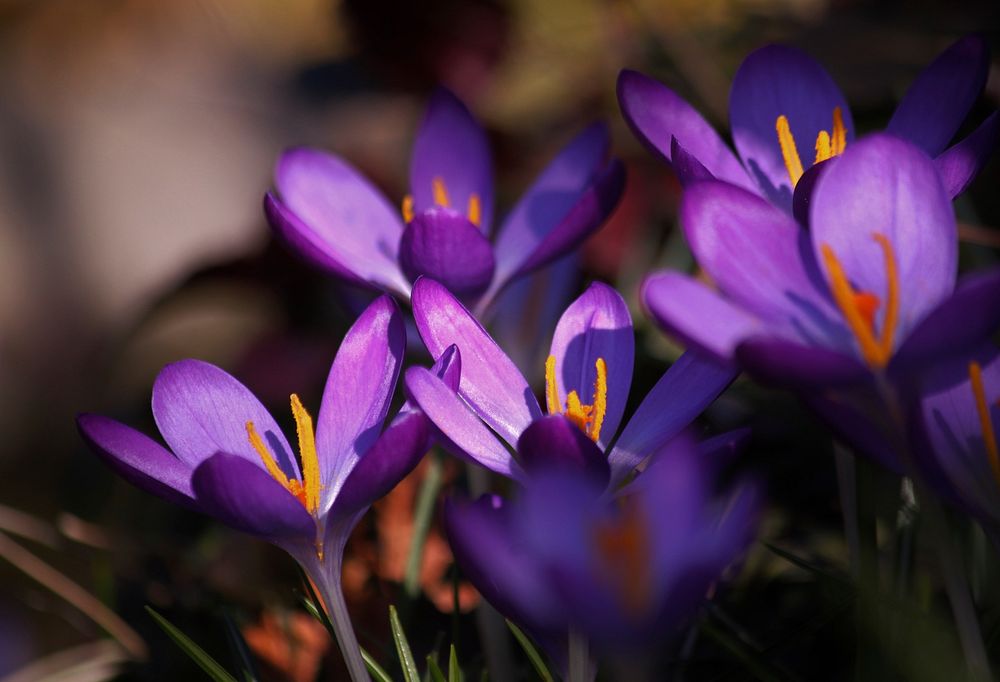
(788, 150)
(407, 208)
(589, 418)
(440, 192)
(475, 209)
(624, 550)
(858, 308)
(307, 490)
(985, 422)
(824, 149)
(838, 141)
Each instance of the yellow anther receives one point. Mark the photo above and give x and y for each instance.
(440, 193)
(475, 209)
(407, 208)
(272, 467)
(838, 140)
(857, 307)
(625, 554)
(985, 422)
(551, 391)
(589, 418)
(788, 150)
(307, 450)
(824, 149)
(306, 490)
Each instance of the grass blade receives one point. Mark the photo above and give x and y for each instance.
(406, 661)
(374, 668)
(240, 648)
(537, 662)
(434, 669)
(423, 514)
(454, 670)
(195, 652)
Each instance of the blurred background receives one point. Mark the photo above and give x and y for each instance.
(136, 140)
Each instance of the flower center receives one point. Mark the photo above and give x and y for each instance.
(624, 555)
(589, 418)
(828, 144)
(307, 490)
(985, 421)
(474, 211)
(859, 307)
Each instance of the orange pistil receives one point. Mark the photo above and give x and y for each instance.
(440, 192)
(307, 490)
(828, 144)
(859, 307)
(624, 553)
(588, 418)
(985, 422)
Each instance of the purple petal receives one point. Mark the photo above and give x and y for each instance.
(327, 207)
(490, 383)
(452, 146)
(802, 199)
(883, 185)
(656, 114)
(392, 457)
(688, 169)
(793, 365)
(569, 200)
(957, 326)
(775, 81)
(554, 442)
(445, 246)
(497, 562)
(959, 164)
(458, 423)
(955, 435)
(759, 257)
(934, 107)
(596, 325)
(201, 410)
(358, 391)
(138, 458)
(681, 394)
(697, 316)
(245, 497)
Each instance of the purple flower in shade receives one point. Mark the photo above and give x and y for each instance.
(868, 291)
(332, 215)
(228, 457)
(588, 375)
(955, 438)
(620, 569)
(784, 105)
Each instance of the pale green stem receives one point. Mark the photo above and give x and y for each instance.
(579, 658)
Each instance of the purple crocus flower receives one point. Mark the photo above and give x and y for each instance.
(868, 291)
(332, 215)
(228, 457)
(956, 435)
(784, 105)
(620, 569)
(588, 376)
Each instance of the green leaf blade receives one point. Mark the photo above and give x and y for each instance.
(410, 673)
(189, 647)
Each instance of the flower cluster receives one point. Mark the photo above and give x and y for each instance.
(835, 277)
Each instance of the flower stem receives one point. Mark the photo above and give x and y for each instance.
(579, 658)
(333, 597)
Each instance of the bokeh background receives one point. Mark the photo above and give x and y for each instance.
(136, 140)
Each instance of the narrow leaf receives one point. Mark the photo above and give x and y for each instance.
(406, 661)
(240, 648)
(454, 670)
(537, 662)
(377, 671)
(188, 646)
(434, 669)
